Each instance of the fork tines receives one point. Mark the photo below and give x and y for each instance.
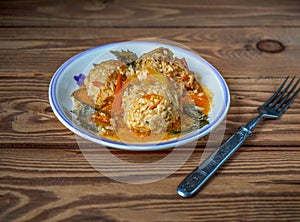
(283, 97)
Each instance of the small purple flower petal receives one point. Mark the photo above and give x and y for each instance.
(79, 79)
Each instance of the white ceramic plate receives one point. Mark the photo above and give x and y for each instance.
(62, 85)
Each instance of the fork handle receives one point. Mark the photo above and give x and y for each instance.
(197, 178)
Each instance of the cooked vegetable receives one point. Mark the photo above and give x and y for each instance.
(118, 84)
(127, 57)
(82, 97)
(155, 93)
(198, 117)
(201, 101)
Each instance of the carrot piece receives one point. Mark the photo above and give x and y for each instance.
(107, 107)
(101, 118)
(186, 78)
(153, 96)
(96, 83)
(150, 96)
(118, 84)
(201, 101)
(116, 105)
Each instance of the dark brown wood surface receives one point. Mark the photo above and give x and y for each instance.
(44, 175)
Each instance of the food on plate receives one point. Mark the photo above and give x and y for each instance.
(150, 105)
(155, 93)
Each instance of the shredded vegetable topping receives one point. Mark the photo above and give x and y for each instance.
(155, 93)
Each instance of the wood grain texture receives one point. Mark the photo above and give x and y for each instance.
(27, 118)
(31, 56)
(44, 175)
(150, 14)
(61, 185)
(40, 51)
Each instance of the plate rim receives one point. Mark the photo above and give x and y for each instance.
(195, 135)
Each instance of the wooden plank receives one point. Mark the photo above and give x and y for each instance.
(233, 51)
(60, 184)
(44, 176)
(32, 55)
(27, 119)
(155, 13)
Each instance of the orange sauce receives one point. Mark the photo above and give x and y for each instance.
(127, 135)
(123, 133)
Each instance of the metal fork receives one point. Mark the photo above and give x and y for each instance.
(272, 109)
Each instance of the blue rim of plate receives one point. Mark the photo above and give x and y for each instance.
(135, 146)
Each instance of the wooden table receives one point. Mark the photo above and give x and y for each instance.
(43, 173)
